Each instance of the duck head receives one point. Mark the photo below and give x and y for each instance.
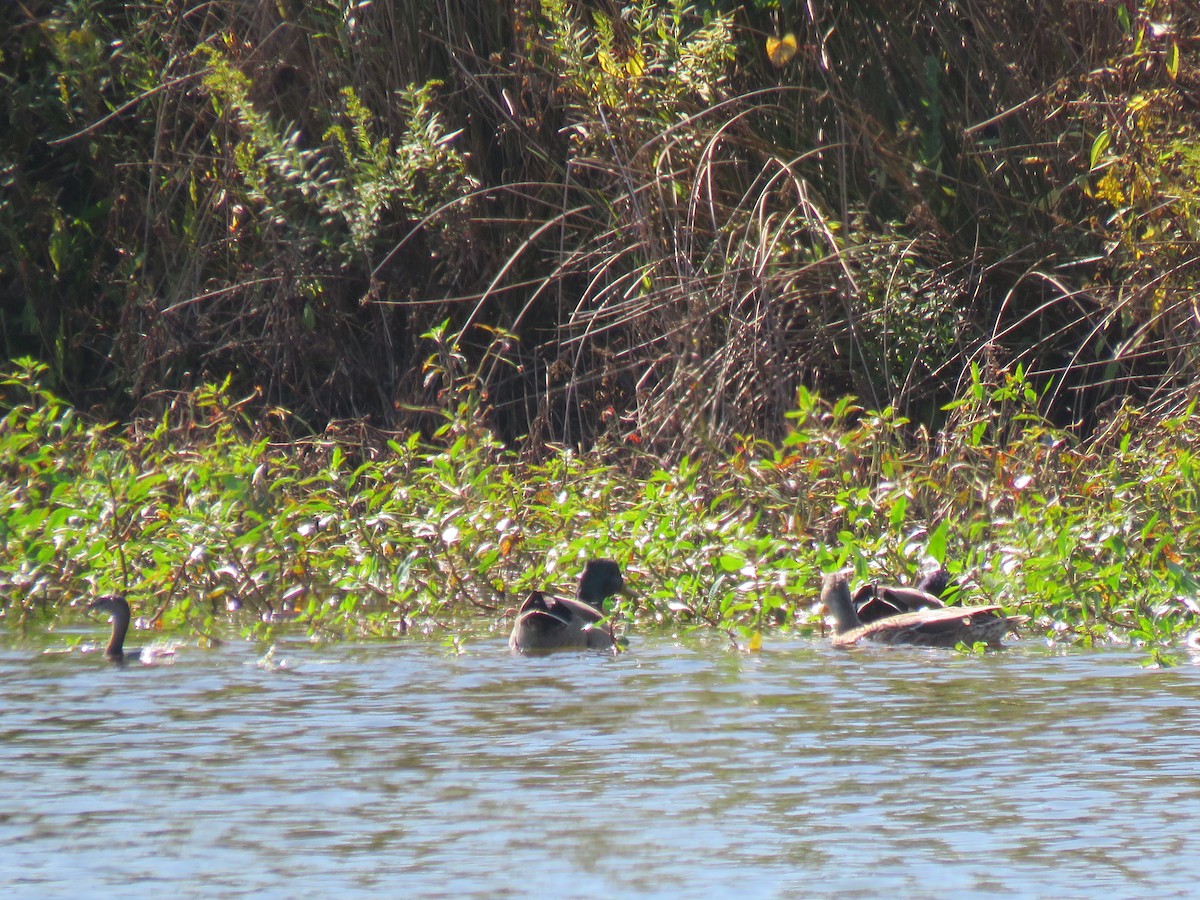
(600, 580)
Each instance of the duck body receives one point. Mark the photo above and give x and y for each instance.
(923, 624)
(558, 623)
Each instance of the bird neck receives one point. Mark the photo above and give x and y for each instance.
(116, 643)
(836, 595)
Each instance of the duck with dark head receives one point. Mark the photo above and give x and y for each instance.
(560, 623)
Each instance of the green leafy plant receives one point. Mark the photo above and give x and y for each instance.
(209, 526)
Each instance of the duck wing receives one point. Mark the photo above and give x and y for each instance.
(873, 602)
(869, 606)
(536, 602)
(910, 599)
(562, 609)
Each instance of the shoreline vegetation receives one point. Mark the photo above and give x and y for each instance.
(205, 520)
(375, 316)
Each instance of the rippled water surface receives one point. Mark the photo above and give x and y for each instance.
(672, 770)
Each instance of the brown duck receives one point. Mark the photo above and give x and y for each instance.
(559, 623)
(928, 626)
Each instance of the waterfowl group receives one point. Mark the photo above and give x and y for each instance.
(883, 614)
(917, 617)
(578, 623)
(543, 623)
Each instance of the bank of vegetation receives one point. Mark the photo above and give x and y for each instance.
(402, 306)
(210, 525)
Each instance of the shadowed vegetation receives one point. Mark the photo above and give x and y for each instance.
(618, 210)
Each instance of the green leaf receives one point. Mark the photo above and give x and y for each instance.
(1123, 18)
(1099, 145)
(936, 545)
(731, 562)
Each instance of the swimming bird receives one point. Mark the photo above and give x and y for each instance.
(118, 607)
(930, 626)
(558, 623)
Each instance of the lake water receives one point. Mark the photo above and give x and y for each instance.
(673, 770)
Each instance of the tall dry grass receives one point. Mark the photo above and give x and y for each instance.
(635, 227)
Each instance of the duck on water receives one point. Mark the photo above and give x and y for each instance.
(561, 623)
(924, 622)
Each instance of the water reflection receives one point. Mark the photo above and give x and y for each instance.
(678, 770)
